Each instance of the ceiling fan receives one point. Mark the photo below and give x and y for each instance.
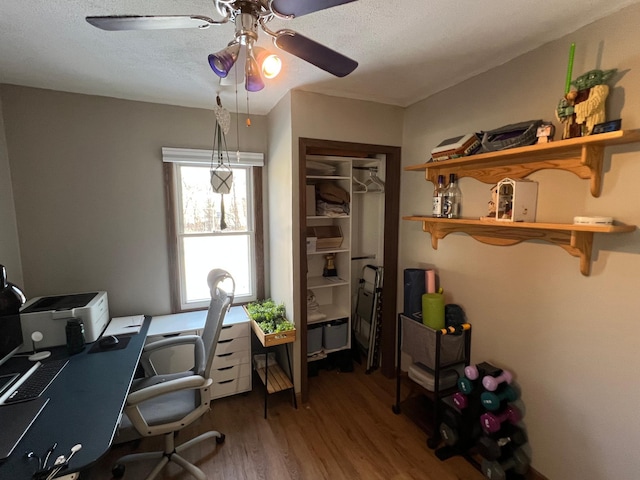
(247, 15)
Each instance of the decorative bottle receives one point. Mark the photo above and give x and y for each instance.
(452, 199)
(438, 195)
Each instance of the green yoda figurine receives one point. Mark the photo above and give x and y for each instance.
(583, 108)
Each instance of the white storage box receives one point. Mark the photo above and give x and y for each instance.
(312, 244)
(419, 374)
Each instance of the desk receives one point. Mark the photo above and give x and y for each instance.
(86, 401)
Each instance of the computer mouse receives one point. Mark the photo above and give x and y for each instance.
(109, 341)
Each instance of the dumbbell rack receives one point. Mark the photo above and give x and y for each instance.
(483, 426)
(437, 351)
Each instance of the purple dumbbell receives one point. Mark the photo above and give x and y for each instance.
(491, 383)
(460, 400)
(471, 372)
(491, 422)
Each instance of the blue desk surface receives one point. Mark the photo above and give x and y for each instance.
(85, 404)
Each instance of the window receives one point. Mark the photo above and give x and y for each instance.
(198, 243)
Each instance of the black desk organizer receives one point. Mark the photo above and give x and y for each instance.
(438, 351)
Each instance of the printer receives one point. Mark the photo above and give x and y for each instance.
(49, 316)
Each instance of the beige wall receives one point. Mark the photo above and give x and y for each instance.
(571, 340)
(88, 190)
(9, 247)
(280, 203)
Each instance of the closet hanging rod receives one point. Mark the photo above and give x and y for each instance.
(364, 257)
(375, 169)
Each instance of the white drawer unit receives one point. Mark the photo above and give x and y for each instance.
(232, 363)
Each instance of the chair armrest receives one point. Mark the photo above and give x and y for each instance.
(150, 348)
(169, 342)
(184, 383)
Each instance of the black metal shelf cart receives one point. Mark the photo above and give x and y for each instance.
(437, 352)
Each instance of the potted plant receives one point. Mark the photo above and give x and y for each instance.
(270, 323)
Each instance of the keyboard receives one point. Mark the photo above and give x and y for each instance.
(31, 384)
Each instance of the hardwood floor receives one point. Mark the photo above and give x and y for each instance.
(347, 430)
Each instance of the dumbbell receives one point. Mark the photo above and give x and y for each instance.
(456, 430)
(518, 462)
(491, 383)
(460, 400)
(492, 400)
(491, 422)
(472, 373)
(467, 383)
(449, 434)
(492, 448)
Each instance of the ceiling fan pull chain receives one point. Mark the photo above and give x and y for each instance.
(248, 114)
(235, 67)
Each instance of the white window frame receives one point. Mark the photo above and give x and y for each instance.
(202, 158)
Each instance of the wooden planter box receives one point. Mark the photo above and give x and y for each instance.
(271, 339)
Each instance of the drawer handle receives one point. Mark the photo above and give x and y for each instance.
(224, 354)
(226, 381)
(226, 326)
(171, 335)
(226, 368)
(225, 341)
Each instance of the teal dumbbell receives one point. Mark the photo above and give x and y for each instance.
(492, 400)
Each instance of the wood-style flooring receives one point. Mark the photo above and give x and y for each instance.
(347, 431)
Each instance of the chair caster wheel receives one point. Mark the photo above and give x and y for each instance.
(117, 471)
(395, 409)
(220, 439)
(432, 443)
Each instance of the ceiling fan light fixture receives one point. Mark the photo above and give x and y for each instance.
(270, 64)
(252, 77)
(222, 61)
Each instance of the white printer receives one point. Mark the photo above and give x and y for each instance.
(49, 316)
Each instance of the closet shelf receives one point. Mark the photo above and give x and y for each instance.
(324, 251)
(327, 177)
(582, 156)
(575, 239)
(325, 282)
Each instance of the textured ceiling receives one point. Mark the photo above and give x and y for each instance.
(406, 49)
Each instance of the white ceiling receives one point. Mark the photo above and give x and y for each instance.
(407, 49)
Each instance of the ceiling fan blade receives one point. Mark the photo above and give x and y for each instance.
(297, 8)
(150, 22)
(314, 53)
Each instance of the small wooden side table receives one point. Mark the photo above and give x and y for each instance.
(274, 378)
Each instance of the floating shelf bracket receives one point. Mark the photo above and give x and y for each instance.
(583, 156)
(577, 240)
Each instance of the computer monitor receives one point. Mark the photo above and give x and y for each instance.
(10, 336)
(11, 299)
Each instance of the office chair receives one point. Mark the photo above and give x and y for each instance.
(165, 404)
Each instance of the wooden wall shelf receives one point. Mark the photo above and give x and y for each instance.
(575, 239)
(582, 156)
